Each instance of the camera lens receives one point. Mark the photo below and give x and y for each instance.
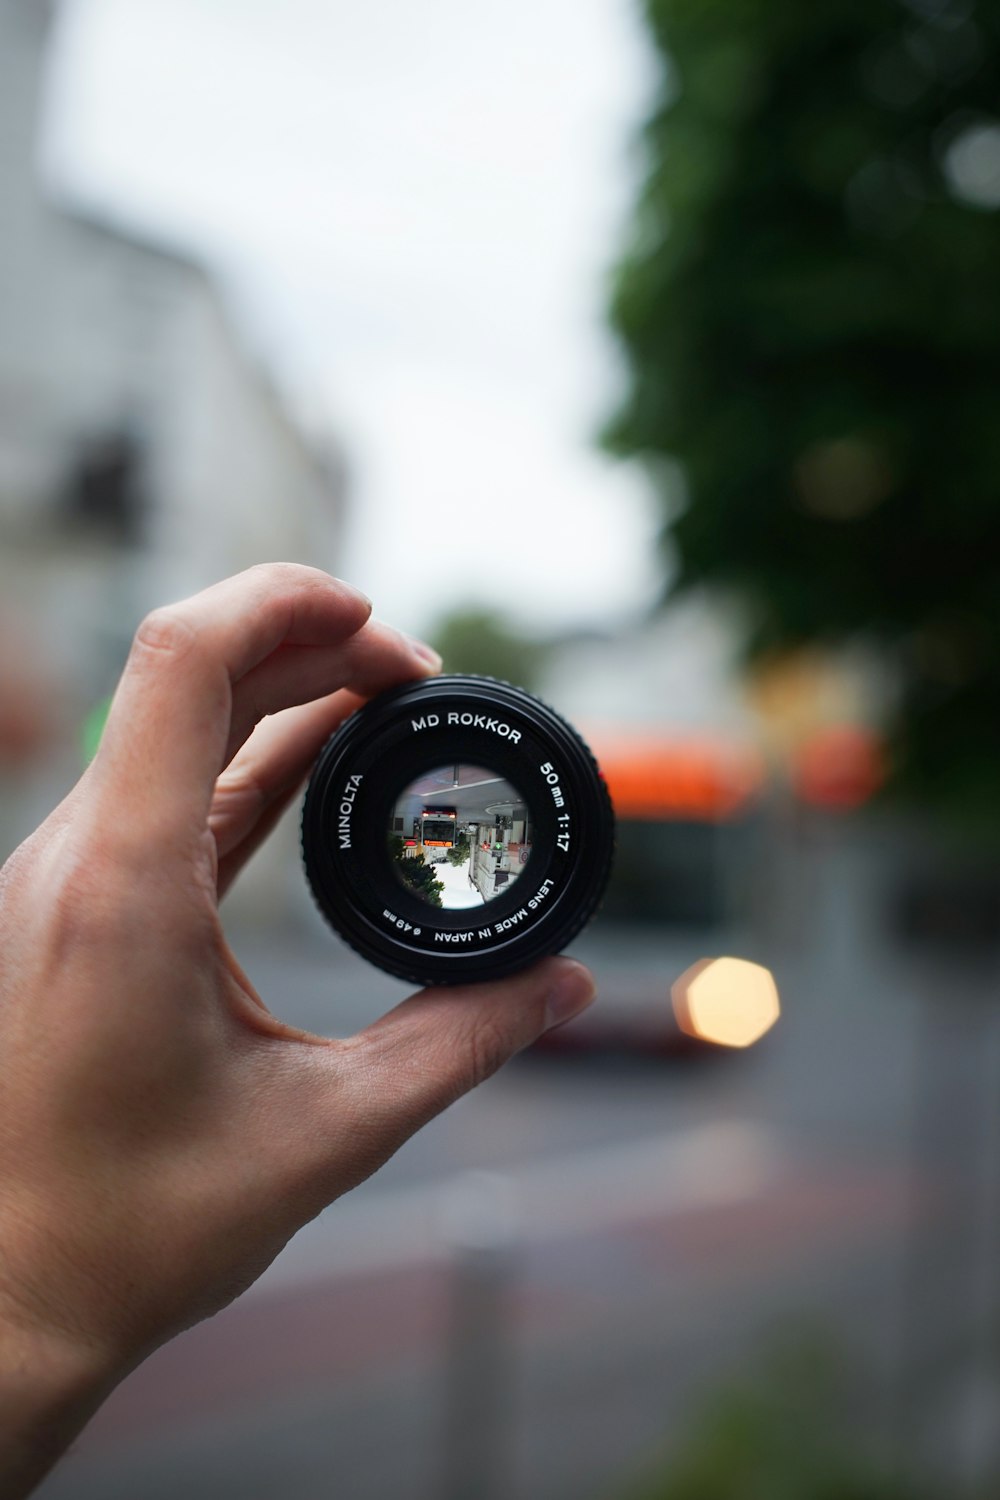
(456, 829)
(460, 836)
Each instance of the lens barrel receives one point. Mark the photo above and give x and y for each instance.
(456, 829)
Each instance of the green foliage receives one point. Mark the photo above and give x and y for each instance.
(479, 640)
(460, 853)
(811, 315)
(781, 1438)
(415, 872)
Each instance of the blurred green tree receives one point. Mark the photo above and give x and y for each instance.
(810, 311)
(480, 641)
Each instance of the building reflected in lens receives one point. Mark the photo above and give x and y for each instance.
(459, 836)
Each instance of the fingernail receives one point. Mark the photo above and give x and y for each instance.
(426, 653)
(572, 992)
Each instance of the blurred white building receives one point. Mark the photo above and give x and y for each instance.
(677, 673)
(143, 453)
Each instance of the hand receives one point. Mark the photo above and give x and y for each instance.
(162, 1134)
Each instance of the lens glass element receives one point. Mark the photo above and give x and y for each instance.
(459, 836)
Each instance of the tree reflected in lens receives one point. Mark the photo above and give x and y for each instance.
(459, 836)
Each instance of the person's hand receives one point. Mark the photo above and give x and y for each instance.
(162, 1134)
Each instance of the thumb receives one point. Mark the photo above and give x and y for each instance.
(440, 1043)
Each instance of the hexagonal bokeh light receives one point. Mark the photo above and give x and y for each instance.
(729, 1001)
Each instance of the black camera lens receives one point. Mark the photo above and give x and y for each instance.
(456, 829)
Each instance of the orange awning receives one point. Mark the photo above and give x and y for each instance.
(676, 778)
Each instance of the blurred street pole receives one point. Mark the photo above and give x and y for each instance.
(948, 1374)
(979, 1434)
(479, 1221)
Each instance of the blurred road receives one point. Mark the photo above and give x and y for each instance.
(632, 1226)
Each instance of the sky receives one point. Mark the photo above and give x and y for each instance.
(417, 209)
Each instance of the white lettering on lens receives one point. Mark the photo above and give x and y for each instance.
(552, 777)
(347, 797)
(480, 721)
(429, 721)
(519, 916)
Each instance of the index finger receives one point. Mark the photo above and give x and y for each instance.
(165, 740)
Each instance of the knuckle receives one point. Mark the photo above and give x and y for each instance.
(86, 905)
(34, 867)
(291, 577)
(281, 574)
(399, 1081)
(165, 630)
(239, 792)
(488, 1048)
(100, 904)
(15, 881)
(242, 781)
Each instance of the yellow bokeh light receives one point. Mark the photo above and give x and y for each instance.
(729, 1001)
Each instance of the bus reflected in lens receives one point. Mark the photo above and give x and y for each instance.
(459, 836)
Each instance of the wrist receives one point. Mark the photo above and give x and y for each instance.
(50, 1387)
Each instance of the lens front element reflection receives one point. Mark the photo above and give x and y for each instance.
(459, 836)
